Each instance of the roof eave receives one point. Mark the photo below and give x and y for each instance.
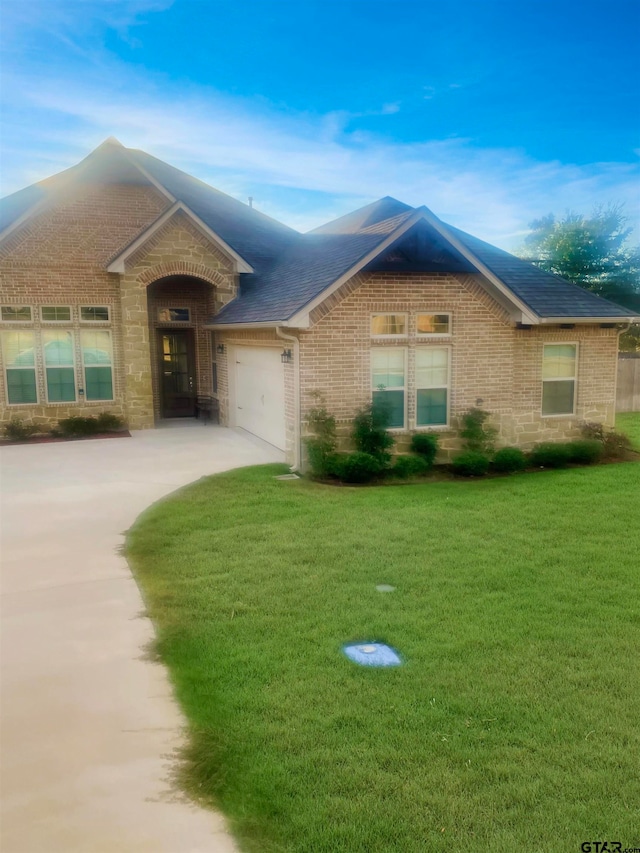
(546, 321)
(261, 324)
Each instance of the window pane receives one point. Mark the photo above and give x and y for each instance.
(98, 383)
(557, 397)
(61, 386)
(18, 349)
(387, 368)
(96, 347)
(21, 386)
(433, 324)
(395, 402)
(173, 315)
(559, 361)
(95, 313)
(432, 367)
(389, 324)
(58, 349)
(56, 313)
(432, 407)
(22, 313)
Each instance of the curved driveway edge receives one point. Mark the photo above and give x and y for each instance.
(90, 728)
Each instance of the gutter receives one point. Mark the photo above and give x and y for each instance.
(297, 438)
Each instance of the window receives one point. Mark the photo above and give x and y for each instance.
(214, 364)
(433, 324)
(57, 347)
(388, 325)
(97, 364)
(20, 366)
(559, 379)
(388, 381)
(55, 314)
(174, 315)
(15, 314)
(94, 313)
(432, 386)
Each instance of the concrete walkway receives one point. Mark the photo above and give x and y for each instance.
(90, 729)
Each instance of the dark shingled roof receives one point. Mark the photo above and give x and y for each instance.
(292, 269)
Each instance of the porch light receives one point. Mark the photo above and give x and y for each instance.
(287, 356)
(220, 348)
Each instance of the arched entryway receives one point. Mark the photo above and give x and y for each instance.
(179, 307)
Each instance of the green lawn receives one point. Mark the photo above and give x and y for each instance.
(629, 423)
(513, 724)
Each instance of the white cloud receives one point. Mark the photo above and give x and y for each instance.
(301, 168)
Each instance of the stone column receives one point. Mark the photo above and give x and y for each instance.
(137, 353)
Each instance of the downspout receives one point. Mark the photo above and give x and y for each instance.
(297, 454)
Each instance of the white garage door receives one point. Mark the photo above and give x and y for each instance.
(260, 393)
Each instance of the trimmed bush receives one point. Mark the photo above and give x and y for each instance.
(77, 427)
(616, 445)
(107, 422)
(509, 460)
(425, 444)
(370, 431)
(593, 431)
(405, 467)
(17, 430)
(357, 467)
(550, 455)
(586, 452)
(322, 444)
(476, 433)
(471, 463)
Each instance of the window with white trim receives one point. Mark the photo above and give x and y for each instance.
(59, 365)
(432, 386)
(55, 314)
(432, 325)
(97, 364)
(559, 372)
(16, 313)
(388, 372)
(94, 314)
(18, 355)
(389, 325)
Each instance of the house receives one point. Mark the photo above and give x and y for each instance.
(130, 287)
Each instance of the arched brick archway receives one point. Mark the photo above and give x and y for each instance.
(182, 268)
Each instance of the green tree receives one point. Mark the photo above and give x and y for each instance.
(593, 253)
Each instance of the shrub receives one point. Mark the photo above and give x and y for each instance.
(476, 433)
(471, 463)
(586, 452)
(370, 431)
(357, 467)
(17, 430)
(78, 426)
(616, 445)
(593, 431)
(425, 444)
(322, 444)
(107, 422)
(405, 467)
(508, 460)
(550, 455)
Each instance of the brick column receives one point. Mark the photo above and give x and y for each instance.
(137, 354)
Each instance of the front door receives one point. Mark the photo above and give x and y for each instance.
(177, 375)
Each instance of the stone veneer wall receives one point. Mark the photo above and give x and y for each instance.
(59, 257)
(491, 360)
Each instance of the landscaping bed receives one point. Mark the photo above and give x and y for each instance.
(512, 723)
(104, 425)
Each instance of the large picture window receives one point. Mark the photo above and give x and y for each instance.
(97, 363)
(559, 363)
(432, 386)
(57, 348)
(388, 381)
(18, 352)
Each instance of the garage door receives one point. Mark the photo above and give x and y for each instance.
(260, 393)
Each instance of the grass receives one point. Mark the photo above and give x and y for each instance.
(629, 423)
(512, 725)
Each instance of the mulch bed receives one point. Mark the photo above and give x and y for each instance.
(51, 439)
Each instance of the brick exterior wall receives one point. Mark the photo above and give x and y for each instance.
(491, 360)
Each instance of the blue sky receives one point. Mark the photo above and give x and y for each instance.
(491, 113)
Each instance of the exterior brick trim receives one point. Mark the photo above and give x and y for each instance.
(151, 274)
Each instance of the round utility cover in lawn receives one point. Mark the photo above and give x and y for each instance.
(372, 654)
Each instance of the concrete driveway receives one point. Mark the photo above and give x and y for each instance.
(90, 729)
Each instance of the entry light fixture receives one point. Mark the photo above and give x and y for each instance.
(220, 348)
(287, 356)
